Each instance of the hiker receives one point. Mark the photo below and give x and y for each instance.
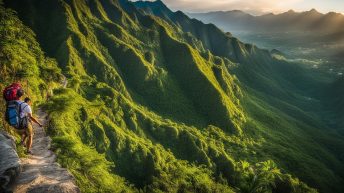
(27, 118)
(19, 113)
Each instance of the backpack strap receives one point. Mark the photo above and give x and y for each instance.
(23, 120)
(25, 106)
(20, 107)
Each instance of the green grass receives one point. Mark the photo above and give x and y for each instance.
(149, 109)
(22, 60)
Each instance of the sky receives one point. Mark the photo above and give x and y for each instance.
(256, 7)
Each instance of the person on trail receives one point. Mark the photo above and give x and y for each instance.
(19, 113)
(26, 115)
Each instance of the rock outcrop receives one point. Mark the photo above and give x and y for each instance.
(9, 161)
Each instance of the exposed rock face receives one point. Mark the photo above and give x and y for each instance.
(9, 161)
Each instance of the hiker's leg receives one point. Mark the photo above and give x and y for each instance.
(29, 142)
(30, 136)
(25, 134)
(23, 138)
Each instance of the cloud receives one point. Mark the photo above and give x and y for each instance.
(248, 5)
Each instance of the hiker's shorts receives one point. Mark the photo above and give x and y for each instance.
(29, 129)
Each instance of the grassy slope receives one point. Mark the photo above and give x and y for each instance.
(339, 87)
(297, 136)
(335, 101)
(22, 60)
(132, 115)
(284, 103)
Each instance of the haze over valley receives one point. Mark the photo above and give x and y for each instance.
(311, 37)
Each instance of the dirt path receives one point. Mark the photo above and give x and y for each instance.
(40, 171)
(64, 82)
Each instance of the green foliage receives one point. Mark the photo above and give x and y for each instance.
(149, 109)
(22, 60)
(266, 177)
(16, 40)
(147, 165)
(191, 68)
(260, 178)
(337, 100)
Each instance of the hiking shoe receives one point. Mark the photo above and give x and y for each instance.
(29, 152)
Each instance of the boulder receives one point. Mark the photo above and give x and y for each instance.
(9, 161)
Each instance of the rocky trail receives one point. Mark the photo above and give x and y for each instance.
(40, 171)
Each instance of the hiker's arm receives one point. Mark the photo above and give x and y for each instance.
(34, 120)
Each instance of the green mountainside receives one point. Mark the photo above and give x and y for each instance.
(159, 102)
(337, 101)
(22, 59)
(295, 91)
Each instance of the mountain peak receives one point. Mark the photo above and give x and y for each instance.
(289, 12)
(159, 2)
(237, 11)
(156, 7)
(332, 13)
(313, 11)
(155, 3)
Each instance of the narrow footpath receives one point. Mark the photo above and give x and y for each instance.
(40, 171)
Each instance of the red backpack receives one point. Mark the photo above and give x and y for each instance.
(10, 93)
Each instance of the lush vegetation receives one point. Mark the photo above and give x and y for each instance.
(336, 102)
(167, 104)
(22, 60)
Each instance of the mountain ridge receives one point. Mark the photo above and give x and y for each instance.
(316, 36)
(171, 104)
(286, 21)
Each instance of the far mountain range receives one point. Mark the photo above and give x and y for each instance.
(310, 34)
(325, 24)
